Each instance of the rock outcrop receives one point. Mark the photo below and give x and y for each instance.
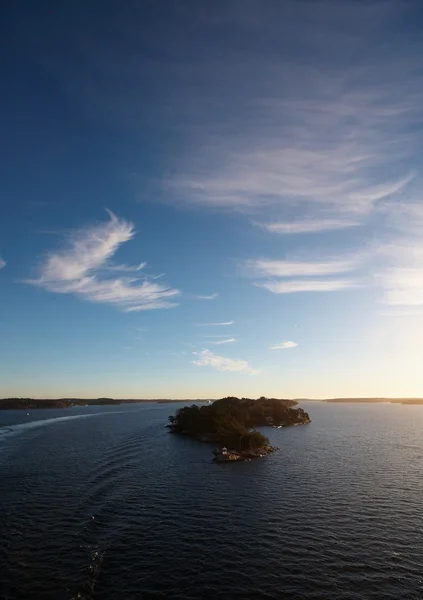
(242, 456)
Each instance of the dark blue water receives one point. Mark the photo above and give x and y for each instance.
(103, 503)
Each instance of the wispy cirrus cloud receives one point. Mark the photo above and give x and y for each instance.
(301, 146)
(329, 140)
(308, 285)
(211, 297)
(2, 263)
(225, 341)
(326, 147)
(293, 276)
(77, 269)
(126, 268)
(400, 274)
(304, 148)
(301, 268)
(306, 225)
(218, 324)
(278, 179)
(284, 345)
(206, 358)
(267, 131)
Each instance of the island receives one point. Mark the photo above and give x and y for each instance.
(230, 422)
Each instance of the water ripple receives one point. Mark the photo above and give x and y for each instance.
(115, 507)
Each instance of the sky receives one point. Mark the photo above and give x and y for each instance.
(201, 199)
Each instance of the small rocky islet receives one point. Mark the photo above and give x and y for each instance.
(230, 424)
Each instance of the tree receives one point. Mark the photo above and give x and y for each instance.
(254, 440)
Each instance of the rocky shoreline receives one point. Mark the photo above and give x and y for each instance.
(220, 456)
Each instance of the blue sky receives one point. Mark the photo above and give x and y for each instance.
(201, 199)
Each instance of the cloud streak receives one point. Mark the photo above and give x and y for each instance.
(206, 358)
(77, 268)
(308, 285)
(333, 176)
(284, 345)
(306, 226)
(226, 341)
(2, 263)
(330, 140)
(400, 277)
(294, 276)
(219, 324)
(126, 268)
(288, 268)
(211, 297)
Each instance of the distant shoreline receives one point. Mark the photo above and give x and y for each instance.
(40, 403)
(375, 400)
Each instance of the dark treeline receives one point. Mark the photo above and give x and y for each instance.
(32, 403)
(231, 421)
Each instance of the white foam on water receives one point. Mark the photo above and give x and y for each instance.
(7, 431)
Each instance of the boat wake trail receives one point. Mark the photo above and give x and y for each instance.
(11, 430)
(87, 590)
